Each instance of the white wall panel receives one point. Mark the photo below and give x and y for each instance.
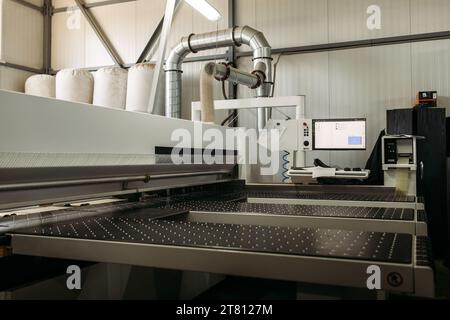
(430, 15)
(305, 22)
(95, 53)
(22, 35)
(431, 69)
(286, 22)
(348, 19)
(365, 83)
(36, 2)
(68, 40)
(148, 15)
(118, 23)
(63, 3)
(12, 79)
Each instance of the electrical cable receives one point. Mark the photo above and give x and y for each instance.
(285, 166)
(227, 119)
(224, 93)
(284, 114)
(286, 154)
(275, 66)
(232, 120)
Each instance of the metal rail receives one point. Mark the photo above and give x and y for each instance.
(20, 67)
(144, 178)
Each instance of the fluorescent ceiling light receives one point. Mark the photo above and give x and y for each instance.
(205, 9)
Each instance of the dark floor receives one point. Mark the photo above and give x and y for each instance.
(237, 288)
(442, 281)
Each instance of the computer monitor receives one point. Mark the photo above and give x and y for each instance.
(339, 134)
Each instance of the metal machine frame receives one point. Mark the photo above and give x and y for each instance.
(100, 152)
(105, 152)
(416, 279)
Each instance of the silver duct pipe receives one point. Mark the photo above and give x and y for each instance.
(262, 53)
(223, 72)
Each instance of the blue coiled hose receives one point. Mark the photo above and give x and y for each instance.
(285, 166)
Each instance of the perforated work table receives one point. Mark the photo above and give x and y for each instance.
(166, 238)
(397, 220)
(361, 196)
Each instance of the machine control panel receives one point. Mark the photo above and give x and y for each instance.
(390, 151)
(306, 133)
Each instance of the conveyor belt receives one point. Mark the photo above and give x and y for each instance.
(297, 210)
(140, 228)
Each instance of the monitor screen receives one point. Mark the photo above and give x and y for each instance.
(339, 134)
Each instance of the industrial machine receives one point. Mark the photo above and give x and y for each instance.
(60, 158)
(399, 154)
(428, 123)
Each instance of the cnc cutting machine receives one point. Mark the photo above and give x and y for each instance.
(193, 217)
(95, 184)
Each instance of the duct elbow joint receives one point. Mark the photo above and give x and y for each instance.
(253, 80)
(260, 79)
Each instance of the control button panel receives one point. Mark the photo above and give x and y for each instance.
(306, 133)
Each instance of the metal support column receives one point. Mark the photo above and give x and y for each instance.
(231, 58)
(156, 93)
(99, 32)
(48, 13)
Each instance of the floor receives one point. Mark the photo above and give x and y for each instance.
(442, 281)
(237, 288)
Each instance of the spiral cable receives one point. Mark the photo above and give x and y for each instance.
(285, 166)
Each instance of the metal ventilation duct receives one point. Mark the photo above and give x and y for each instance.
(223, 38)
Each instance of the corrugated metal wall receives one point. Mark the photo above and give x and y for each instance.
(21, 42)
(360, 82)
